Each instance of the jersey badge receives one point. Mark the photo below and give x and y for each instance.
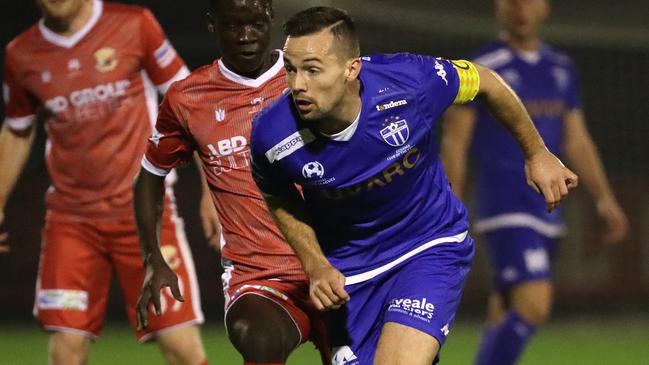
(313, 169)
(74, 65)
(396, 131)
(106, 59)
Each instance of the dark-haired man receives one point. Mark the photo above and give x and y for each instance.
(268, 311)
(520, 234)
(379, 232)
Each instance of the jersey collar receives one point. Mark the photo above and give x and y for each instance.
(71, 41)
(246, 81)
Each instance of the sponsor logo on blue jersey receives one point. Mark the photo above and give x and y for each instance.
(418, 308)
(391, 104)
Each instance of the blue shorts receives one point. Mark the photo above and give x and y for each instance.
(518, 255)
(422, 293)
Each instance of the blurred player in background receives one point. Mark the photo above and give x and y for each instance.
(379, 232)
(520, 233)
(91, 69)
(268, 311)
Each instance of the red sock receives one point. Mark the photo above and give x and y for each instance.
(204, 362)
(262, 363)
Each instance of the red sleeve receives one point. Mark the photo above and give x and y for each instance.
(170, 144)
(20, 106)
(161, 61)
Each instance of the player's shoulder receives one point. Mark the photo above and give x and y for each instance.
(494, 54)
(556, 55)
(403, 61)
(276, 121)
(23, 42)
(404, 68)
(197, 78)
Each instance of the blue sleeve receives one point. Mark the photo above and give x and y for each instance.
(440, 82)
(269, 177)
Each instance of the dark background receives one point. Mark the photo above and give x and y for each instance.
(608, 41)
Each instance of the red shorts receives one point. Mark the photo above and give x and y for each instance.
(77, 263)
(293, 296)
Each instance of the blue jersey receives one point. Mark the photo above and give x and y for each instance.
(547, 84)
(381, 196)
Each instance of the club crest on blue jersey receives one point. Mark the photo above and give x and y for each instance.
(313, 169)
(396, 132)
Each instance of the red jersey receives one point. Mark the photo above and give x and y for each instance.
(97, 89)
(211, 111)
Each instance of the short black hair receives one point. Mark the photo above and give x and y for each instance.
(315, 19)
(215, 3)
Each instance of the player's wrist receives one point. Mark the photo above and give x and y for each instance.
(153, 259)
(535, 150)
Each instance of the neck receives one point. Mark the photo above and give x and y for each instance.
(345, 113)
(69, 26)
(522, 43)
(269, 60)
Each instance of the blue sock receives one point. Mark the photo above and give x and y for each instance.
(503, 344)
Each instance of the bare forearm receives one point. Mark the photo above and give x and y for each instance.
(14, 152)
(148, 196)
(456, 137)
(291, 218)
(584, 159)
(508, 109)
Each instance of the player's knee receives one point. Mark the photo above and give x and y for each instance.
(182, 346)
(535, 313)
(68, 349)
(255, 341)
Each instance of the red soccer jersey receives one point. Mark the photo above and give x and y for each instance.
(97, 90)
(211, 111)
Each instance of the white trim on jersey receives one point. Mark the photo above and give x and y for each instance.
(181, 74)
(347, 133)
(153, 168)
(151, 97)
(71, 41)
(359, 278)
(20, 123)
(496, 58)
(519, 220)
(263, 78)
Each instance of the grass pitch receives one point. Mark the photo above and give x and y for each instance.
(593, 342)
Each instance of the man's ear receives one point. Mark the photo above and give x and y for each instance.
(209, 19)
(353, 69)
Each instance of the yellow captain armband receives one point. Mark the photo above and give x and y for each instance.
(469, 81)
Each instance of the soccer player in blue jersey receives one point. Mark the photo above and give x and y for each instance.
(377, 229)
(520, 233)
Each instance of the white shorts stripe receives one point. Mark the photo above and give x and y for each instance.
(153, 168)
(359, 278)
(519, 220)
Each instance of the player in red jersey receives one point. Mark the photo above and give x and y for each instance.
(268, 311)
(90, 69)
